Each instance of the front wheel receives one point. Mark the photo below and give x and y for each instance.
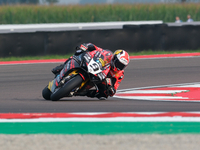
(66, 88)
(46, 93)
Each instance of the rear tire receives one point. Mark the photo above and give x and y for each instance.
(67, 88)
(46, 93)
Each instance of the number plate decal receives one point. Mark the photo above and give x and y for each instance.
(94, 67)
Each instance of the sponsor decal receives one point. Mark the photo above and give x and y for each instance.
(124, 61)
(84, 47)
(102, 62)
(87, 58)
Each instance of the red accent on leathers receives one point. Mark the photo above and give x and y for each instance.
(117, 75)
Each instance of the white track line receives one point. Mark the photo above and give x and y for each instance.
(116, 119)
(159, 86)
(154, 91)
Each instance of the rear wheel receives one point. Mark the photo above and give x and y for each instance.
(46, 93)
(66, 88)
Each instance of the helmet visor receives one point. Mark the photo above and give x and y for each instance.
(118, 64)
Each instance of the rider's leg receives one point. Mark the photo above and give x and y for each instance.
(57, 69)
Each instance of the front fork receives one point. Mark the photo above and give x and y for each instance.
(57, 82)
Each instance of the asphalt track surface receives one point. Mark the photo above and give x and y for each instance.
(21, 86)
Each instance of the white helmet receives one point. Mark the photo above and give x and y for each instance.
(120, 60)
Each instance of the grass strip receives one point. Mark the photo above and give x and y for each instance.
(26, 14)
(147, 52)
(101, 128)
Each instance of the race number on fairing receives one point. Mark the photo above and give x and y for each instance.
(94, 67)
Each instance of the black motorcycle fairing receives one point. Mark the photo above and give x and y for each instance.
(84, 65)
(69, 67)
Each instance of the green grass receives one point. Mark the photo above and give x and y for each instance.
(101, 128)
(26, 14)
(148, 52)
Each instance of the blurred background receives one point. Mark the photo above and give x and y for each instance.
(68, 2)
(135, 25)
(73, 11)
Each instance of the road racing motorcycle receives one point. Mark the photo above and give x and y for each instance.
(82, 72)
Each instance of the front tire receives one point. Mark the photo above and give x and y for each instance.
(46, 93)
(67, 88)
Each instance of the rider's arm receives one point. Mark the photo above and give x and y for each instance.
(110, 85)
(79, 49)
(115, 80)
(87, 46)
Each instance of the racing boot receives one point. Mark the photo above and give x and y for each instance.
(93, 93)
(57, 69)
(102, 98)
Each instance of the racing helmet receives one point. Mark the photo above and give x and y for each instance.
(120, 60)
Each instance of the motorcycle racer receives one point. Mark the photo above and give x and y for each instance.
(111, 76)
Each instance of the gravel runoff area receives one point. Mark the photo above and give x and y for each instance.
(100, 142)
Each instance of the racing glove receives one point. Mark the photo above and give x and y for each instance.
(111, 90)
(86, 46)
